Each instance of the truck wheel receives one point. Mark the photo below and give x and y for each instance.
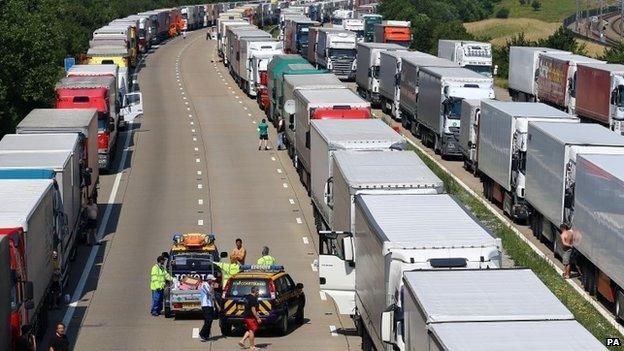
(589, 278)
(283, 326)
(619, 305)
(226, 327)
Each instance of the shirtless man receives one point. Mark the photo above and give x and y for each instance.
(567, 242)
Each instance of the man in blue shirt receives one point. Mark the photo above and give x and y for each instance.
(208, 305)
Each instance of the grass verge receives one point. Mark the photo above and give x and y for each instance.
(550, 11)
(500, 30)
(524, 256)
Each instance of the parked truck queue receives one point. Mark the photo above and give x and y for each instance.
(408, 262)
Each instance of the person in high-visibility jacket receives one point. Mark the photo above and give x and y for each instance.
(228, 269)
(266, 259)
(158, 279)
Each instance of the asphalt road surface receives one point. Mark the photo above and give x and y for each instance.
(192, 164)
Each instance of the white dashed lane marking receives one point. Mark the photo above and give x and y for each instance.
(299, 221)
(305, 240)
(292, 201)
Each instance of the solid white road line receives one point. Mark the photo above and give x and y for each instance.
(71, 309)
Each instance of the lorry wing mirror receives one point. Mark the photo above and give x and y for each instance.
(347, 244)
(386, 326)
(289, 107)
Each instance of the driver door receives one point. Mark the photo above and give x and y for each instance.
(133, 107)
(337, 272)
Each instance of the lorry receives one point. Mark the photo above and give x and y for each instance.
(370, 21)
(310, 55)
(144, 30)
(192, 257)
(159, 24)
(408, 86)
(280, 66)
(339, 16)
(221, 34)
(440, 93)
(255, 55)
(31, 217)
(597, 218)
(296, 35)
(315, 104)
(389, 79)
(126, 32)
(396, 32)
(359, 173)
(600, 94)
(503, 150)
(556, 79)
(94, 92)
(295, 82)
(553, 151)
(480, 309)
(328, 137)
(117, 55)
(473, 55)
(363, 270)
(367, 69)
(523, 70)
(355, 25)
(131, 103)
(469, 133)
(232, 33)
(335, 51)
(190, 16)
(84, 123)
(60, 154)
(8, 334)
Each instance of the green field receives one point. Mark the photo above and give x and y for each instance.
(551, 10)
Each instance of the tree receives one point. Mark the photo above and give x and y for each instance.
(523, 2)
(503, 12)
(536, 5)
(614, 54)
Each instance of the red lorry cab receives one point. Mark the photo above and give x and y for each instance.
(19, 314)
(263, 92)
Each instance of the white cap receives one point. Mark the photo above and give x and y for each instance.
(210, 277)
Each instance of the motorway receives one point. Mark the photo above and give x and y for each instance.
(192, 164)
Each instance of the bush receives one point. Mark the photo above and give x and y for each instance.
(503, 12)
(523, 2)
(536, 5)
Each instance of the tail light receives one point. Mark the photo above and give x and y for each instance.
(264, 78)
(103, 139)
(177, 305)
(272, 289)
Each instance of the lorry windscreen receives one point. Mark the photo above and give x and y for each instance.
(483, 70)
(341, 53)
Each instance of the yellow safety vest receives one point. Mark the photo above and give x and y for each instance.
(227, 270)
(158, 277)
(267, 260)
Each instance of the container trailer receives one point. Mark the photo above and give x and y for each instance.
(396, 32)
(469, 133)
(329, 136)
(390, 77)
(523, 70)
(321, 104)
(440, 94)
(367, 69)
(278, 68)
(363, 271)
(503, 150)
(83, 122)
(553, 150)
(600, 94)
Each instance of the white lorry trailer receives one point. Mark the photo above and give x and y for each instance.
(363, 271)
(440, 94)
(355, 25)
(598, 221)
(389, 78)
(335, 51)
(473, 55)
(322, 104)
(329, 136)
(437, 308)
(294, 82)
(469, 133)
(232, 37)
(79, 121)
(503, 150)
(254, 51)
(367, 68)
(523, 66)
(553, 149)
(408, 86)
(221, 34)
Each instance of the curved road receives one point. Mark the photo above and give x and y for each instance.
(193, 165)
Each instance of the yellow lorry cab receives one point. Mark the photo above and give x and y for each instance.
(109, 55)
